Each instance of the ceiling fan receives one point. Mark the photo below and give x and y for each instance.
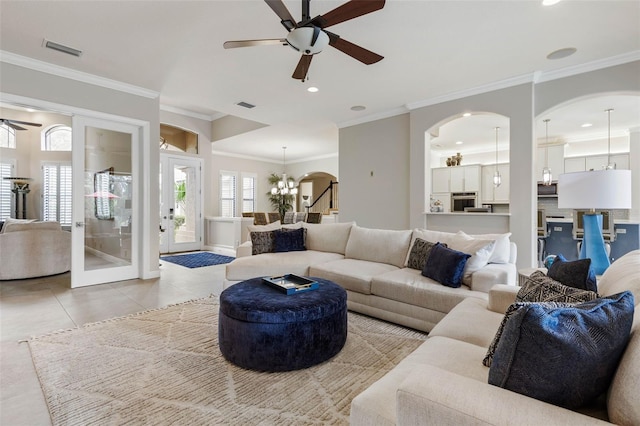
(309, 35)
(14, 123)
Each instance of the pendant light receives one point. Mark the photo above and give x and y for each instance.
(546, 172)
(497, 179)
(284, 185)
(610, 165)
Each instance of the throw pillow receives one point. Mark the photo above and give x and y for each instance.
(577, 273)
(538, 288)
(289, 240)
(262, 242)
(419, 253)
(563, 355)
(445, 265)
(480, 251)
(502, 251)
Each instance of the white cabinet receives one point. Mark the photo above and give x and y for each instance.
(465, 178)
(440, 180)
(491, 194)
(595, 162)
(553, 157)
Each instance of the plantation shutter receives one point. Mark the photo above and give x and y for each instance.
(248, 194)
(56, 193)
(227, 195)
(6, 170)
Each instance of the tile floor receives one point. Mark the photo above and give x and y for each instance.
(38, 306)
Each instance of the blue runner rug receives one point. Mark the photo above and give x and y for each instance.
(197, 260)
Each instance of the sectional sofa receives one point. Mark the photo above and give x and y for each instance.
(444, 381)
(372, 265)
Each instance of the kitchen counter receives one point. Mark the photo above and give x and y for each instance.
(615, 221)
(469, 222)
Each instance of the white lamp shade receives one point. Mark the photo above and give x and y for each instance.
(600, 189)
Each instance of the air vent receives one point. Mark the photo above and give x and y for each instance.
(245, 105)
(62, 48)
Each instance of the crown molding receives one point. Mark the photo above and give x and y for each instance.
(588, 67)
(45, 67)
(262, 159)
(374, 117)
(188, 113)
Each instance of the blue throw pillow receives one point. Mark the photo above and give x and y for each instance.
(577, 273)
(563, 354)
(289, 240)
(445, 265)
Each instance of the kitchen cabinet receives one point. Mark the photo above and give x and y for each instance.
(556, 161)
(465, 178)
(595, 162)
(491, 194)
(440, 178)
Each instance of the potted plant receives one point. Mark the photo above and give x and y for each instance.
(281, 203)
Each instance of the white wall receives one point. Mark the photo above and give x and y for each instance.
(374, 173)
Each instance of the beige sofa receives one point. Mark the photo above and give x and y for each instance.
(444, 381)
(371, 264)
(33, 249)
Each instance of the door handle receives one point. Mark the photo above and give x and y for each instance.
(79, 224)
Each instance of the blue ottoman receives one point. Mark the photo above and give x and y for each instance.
(261, 328)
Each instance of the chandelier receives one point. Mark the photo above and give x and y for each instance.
(284, 185)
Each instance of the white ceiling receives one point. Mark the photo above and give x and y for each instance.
(431, 49)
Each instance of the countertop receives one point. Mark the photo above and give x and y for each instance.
(466, 214)
(570, 220)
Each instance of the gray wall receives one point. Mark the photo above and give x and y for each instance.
(374, 173)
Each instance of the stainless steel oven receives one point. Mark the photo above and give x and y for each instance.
(462, 200)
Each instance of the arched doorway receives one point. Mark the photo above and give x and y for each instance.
(318, 192)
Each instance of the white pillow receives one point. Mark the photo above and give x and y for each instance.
(502, 251)
(480, 251)
(263, 228)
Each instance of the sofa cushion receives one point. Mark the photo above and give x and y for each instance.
(457, 325)
(577, 273)
(378, 245)
(419, 253)
(623, 274)
(286, 240)
(446, 265)
(352, 274)
(14, 225)
(564, 355)
(409, 286)
(262, 242)
(270, 264)
(330, 237)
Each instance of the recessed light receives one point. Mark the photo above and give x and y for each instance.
(312, 89)
(358, 108)
(549, 2)
(587, 125)
(466, 114)
(562, 53)
(459, 143)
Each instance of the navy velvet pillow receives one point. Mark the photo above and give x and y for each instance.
(561, 354)
(445, 265)
(577, 273)
(289, 240)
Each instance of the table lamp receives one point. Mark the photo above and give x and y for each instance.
(595, 190)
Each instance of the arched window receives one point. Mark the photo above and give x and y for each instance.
(7, 137)
(56, 138)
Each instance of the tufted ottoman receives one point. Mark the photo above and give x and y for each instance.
(261, 328)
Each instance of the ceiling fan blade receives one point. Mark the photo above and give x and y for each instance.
(249, 43)
(303, 67)
(283, 13)
(14, 126)
(349, 10)
(360, 53)
(26, 123)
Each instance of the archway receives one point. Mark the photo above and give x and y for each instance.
(319, 192)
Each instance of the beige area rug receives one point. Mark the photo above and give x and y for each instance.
(164, 367)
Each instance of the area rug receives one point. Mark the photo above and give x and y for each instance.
(164, 367)
(198, 260)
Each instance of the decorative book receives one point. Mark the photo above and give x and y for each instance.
(290, 283)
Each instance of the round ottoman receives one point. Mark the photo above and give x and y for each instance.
(261, 328)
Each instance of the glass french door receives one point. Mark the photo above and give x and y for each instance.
(180, 204)
(105, 201)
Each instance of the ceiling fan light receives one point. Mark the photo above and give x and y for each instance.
(308, 40)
